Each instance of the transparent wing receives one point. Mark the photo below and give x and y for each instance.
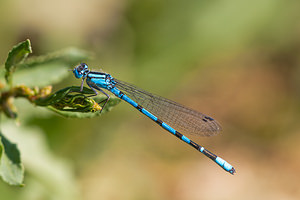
(181, 118)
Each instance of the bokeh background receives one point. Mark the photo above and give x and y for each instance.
(237, 61)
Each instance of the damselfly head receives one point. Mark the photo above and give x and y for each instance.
(81, 70)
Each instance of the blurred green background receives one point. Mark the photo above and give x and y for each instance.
(237, 61)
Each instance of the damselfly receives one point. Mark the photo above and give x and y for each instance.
(164, 112)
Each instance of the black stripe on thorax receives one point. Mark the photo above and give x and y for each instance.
(101, 73)
(94, 74)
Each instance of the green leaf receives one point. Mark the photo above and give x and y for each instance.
(70, 56)
(11, 168)
(44, 74)
(76, 105)
(48, 69)
(59, 95)
(1, 148)
(113, 101)
(16, 56)
(48, 175)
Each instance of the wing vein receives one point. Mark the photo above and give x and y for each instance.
(181, 118)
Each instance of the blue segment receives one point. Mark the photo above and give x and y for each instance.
(155, 107)
(187, 140)
(125, 98)
(94, 75)
(116, 92)
(149, 114)
(99, 82)
(224, 164)
(168, 128)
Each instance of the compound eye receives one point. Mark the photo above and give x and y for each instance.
(80, 68)
(84, 66)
